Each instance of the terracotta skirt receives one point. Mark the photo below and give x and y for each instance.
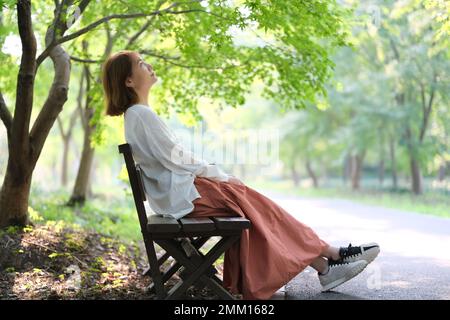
(274, 250)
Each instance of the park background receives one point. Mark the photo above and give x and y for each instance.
(318, 100)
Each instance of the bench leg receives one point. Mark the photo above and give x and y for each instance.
(211, 272)
(161, 260)
(154, 268)
(213, 276)
(198, 243)
(197, 271)
(217, 281)
(166, 276)
(215, 286)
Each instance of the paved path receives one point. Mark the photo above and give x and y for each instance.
(414, 262)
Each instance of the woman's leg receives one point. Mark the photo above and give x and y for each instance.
(331, 253)
(276, 240)
(320, 264)
(284, 245)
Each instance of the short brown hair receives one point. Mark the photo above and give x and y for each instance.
(115, 72)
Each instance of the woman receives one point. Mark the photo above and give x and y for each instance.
(277, 246)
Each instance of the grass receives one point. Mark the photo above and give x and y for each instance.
(436, 203)
(111, 214)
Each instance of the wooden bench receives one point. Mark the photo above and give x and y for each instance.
(181, 239)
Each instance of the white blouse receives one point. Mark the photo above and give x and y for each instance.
(168, 170)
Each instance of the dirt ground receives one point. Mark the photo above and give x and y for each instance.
(54, 262)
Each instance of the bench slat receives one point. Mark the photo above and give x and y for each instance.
(231, 223)
(158, 224)
(197, 224)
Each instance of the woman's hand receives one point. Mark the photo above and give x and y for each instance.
(234, 180)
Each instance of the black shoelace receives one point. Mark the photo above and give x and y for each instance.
(345, 252)
(349, 251)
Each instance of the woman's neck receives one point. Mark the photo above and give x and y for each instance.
(142, 98)
(144, 102)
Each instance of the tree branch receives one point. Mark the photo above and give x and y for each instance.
(80, 98)
(25, 84)
(108, 48)
(95, 24)
(72, 121)
(422, 96)
(144, 27)
(394, 49)
(119, 16)
(57, 20)
(111, 38)
(54, 103)
(60, 127)
(427, 111)
(58, 92)
(58, 26)
(199, 66)
(5, 115)
(84, 60)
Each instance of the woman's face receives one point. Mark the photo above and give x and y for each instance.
(143, 76)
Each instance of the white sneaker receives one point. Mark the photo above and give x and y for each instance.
(367, 252)
(339, 273)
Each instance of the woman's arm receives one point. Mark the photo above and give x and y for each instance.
(154, 137)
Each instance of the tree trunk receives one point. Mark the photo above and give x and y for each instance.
(381, 172)
(16, 185)
(442, 172)
(416, 175)
(393, 163)
(64, 162)
(325, 174)
(381, 160)
(25, 145)
(14, 196)
(294, 175)
(357, 161)
(66, 138)
(80, 189)
(347, 168)
(311, 174)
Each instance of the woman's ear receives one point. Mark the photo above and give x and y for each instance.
(129, 82)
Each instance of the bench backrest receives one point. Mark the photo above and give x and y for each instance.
(137, 187)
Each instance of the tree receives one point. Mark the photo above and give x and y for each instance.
(396, 81)
(66, 136)
(306, 141)
(25, 145)
(418, 64)
(294, 65)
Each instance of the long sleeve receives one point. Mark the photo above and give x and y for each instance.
(154, 137)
